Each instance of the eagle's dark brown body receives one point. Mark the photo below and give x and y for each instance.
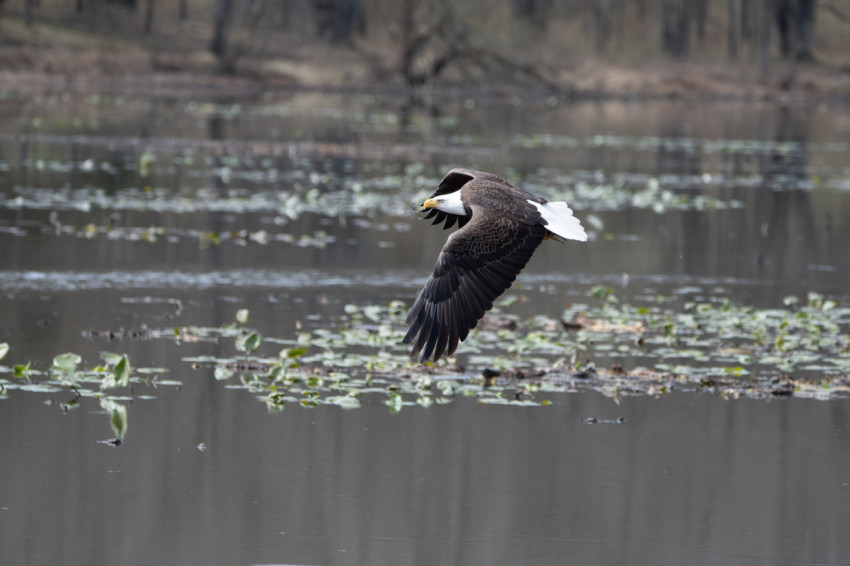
(499, 232)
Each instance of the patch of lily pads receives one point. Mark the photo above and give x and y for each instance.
(801, 349)
(114, 384)
(172, 234)
(285, 191)
(676, 144)
(798, 349)
(290, 203)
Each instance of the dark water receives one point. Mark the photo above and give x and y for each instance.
(108, 206)
(685, 480)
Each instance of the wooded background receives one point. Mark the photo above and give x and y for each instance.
(422, 41)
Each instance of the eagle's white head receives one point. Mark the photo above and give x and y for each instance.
(450, 203)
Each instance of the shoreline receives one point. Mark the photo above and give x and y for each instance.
(183, 84)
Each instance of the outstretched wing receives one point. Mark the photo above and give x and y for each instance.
(477, 264)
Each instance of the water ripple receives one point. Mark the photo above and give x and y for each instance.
(12, 281)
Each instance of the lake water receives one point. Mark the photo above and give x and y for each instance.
(141, 226)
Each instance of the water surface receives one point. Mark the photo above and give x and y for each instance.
(123, 218)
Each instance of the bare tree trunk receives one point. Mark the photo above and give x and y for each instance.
(795, 20)
(805, 29)
(412, 42)
(149, 16)
(408, 27)
(784, 25)
(536, 12)
(733, 29)
(338, 18)
(221, 26)
(523, 9)
(620, 34)
(324, 11)
(285, 15)
(700, 15)
(675, 27)
(763, 45)
(749, 13)
(346, 19)
(29, 8)
(252, 10)
(604, 23)
(184, 10)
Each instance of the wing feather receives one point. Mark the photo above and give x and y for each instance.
(477, 264)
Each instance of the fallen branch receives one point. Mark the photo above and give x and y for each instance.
(837, 14)
(523, 69)
(446, 42)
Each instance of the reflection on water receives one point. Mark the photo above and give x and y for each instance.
(684, 480)
(293, 206)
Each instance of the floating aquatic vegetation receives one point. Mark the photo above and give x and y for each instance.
(619, 195)
(100, 382)
(798, 349)
(288, 202)
(680, 144)
(729, 349)
(303, 189)
(117, 419)
(151, 234)
(717, 341)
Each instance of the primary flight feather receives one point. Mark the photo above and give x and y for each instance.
(500, 227)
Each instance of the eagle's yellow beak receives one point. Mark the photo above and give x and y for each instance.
(430, 203)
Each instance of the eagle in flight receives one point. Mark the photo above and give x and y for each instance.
(500, 227)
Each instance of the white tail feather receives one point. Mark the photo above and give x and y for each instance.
(560, 220)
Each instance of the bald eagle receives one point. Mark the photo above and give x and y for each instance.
(500, 227)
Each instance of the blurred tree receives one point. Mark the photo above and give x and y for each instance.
(700, 11)
(431, 39)
(29, 9)
(338, 19)
(763, 36)
(222, 12)
(535, 12)
(324, 12)
(149, 16)
(748, 12)
(733, 29)
(130, 4)
(434, 39)
(462, 40)
(795, 20)
(603, 17)
(675, 27)
(252, 10)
